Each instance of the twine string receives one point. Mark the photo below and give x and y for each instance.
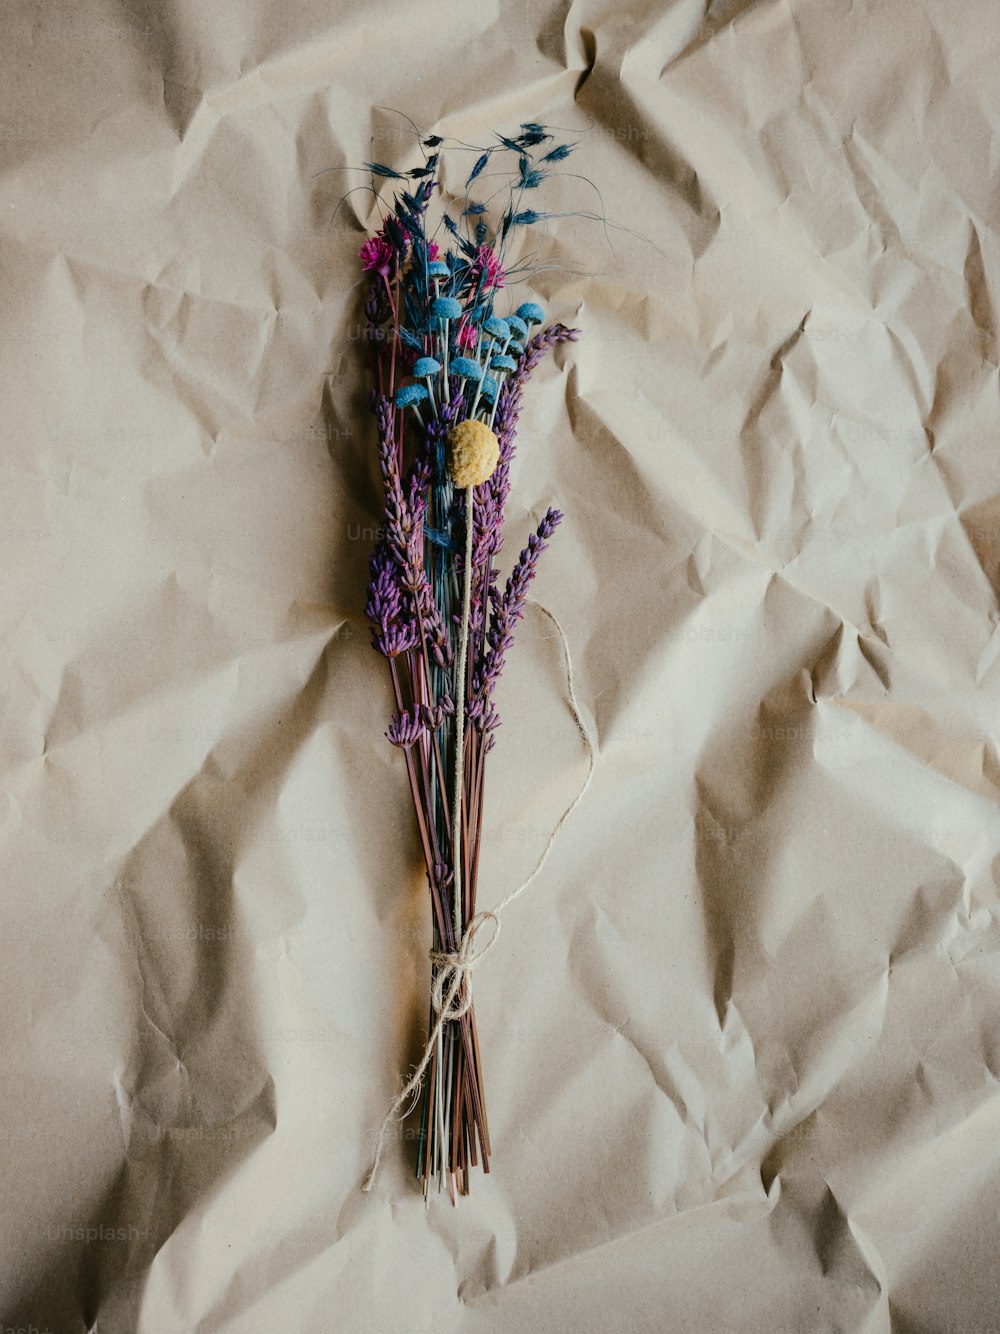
(451, 991)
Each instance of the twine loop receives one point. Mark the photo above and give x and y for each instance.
(454, 968)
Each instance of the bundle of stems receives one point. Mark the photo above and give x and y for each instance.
(449, 373)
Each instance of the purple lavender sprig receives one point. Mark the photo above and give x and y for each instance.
(512, 391)
(508, 608)
(490, 499)
(398, 522)
(495, 491)
(404, 532)
(389, 609)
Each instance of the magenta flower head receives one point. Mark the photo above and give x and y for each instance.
(377, 255)
(468, 337)
(487, 264)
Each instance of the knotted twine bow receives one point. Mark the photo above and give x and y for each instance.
(455, 968)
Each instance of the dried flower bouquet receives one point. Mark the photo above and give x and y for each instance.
(449, 372)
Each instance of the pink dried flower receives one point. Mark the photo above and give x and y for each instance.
(487, 263)
(377, 254)
(467, 337)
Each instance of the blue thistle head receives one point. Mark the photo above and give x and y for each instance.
(408, 395)
(466, 368)
(531, 313)
(446, 308)
(497, 328)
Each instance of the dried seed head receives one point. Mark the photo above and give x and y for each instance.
(473, 453)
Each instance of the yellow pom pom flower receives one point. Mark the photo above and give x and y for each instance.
(473, 453)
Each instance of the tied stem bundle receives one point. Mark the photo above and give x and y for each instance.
(449, 373)
(455, 970)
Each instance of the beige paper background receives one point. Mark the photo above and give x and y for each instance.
(740, 1039)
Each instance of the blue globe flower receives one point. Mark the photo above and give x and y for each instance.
(497, 328)
(437, 268)
(446, 308)
(503, 364)
(409, 394)
(517, 326)
(425, 366)
(466, 368)
(531, 313)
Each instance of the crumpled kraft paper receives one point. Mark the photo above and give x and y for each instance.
(740, 1038)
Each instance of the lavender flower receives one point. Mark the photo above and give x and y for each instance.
(433, 715)
(416, 506)
(398, 521)
(507, 608)
(404, 538)
(490, 499)
(389, 610)
(512, 391)
(406, 728)
(440, 643)
(384, 594)
(509, 411)
(397, 639)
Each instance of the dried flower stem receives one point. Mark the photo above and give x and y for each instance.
(463, 644)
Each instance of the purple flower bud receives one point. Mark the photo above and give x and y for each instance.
(433, 715)
(406, 728)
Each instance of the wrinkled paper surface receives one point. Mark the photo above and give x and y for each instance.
(740, 1039)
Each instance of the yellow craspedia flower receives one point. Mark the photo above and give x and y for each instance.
(473, 453)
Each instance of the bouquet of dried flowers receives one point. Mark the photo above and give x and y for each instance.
(449, 371)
